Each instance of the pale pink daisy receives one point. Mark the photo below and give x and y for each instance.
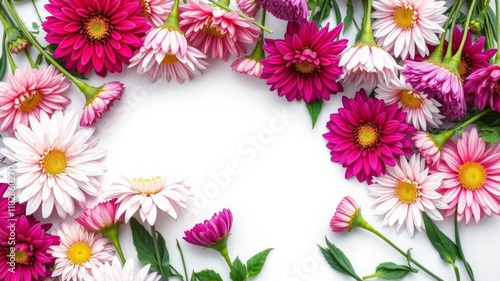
(146, 195)
(79, 251)
(57, 163)
(430, 145)
(405, 192)
(156, 11)
(29, 92)
(216, 31)
(368, 63)
(421, 111)
(346, 215)
(247, 65)
(472, 182)
(115, 271)
(248, 7)
(100, 101)
(403, 27)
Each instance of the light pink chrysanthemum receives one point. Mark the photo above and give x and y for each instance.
(79, 251)
(429, 145)
(118, 272)
(156, 11)
(248, 7)
(146, 195)
(484, 84)
(344, 218)
(421, 111)
(472, 181)
(57, 163)
(406, 26)
(100, 102)
(369, 64)
(212, 231)
(100, 217)
(215, 31)
(405, 192)
(29, 92)
(288, 10)
(248, 65)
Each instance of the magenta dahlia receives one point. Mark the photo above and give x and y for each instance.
(365, 135)
(211, 232)
(9, 208)
(305, 64)
(99, 35)
(484, 86)
(289, 10)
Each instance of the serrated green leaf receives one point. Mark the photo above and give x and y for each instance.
(208, 275)
(392, 271)
(446, 248)
(3, 59)
(238, 271)
(314, 110)
(143, 242)
(338, 260)
(164, 255)
(255, 263)
(348, 15)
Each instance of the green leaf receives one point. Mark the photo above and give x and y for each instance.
(338, 260)
(392, 271)
(336, 8)
(446, 248)
(208, 275)
(255, 263)
(143, 242)
(3, 59)
(492, 18)
(348, 16)
(323, 12)
(35, 25)
(238, 271)
(314, 110)
(193, 277)
(39, 59)
(164, 256)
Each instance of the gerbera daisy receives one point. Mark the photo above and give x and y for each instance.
(148, 194)
(30, 254)
(405, 191)
(366, 135)
(211, 232)
(216, 31)
(248, 7)
(29, 92)
(421, 111)
(403, 27)
(305, 64)
(156, 11)
(79, 251)
(472, 181)
(118, 272)
(99, 35)
(57, 163)
(100, 217)
(429, 145)
(346, 216)
(99, 101)
(289, 10)
(248, 65)
(484, 86)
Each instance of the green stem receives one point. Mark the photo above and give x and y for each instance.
(182, 258)
(36, 9)
(12, 64)
(224, 252)
(370, 276)
(458, 54)
(457, 273)
(157, 251)
(449, 51)
(323, 11)
(366, 30)
(225, 7)
(176, 273)
(313, 10)
(30, 59)
(453, 10)
(460, 126)
(497, 57)
(460, 249)
(173, 18)
(112, 233)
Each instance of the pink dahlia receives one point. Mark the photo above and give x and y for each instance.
(9, 208)
(429, 145)
(100, 100)
(100, 217)
(248, 7)
(346, 216)
(484, 84)
(29, 92)
(289, 10)
(305, 64)
(472, 182)
(156, 11)
(99, 35)
(29, 258)
(211, 232)
(366, 135)
(215, 31)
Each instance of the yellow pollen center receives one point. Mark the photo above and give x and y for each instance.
(30, 102)
(463, 68)
(407, 191)
(147, 186)
(54, 162)
(304, 67)
(212, 30)
(169, 59)
(146, 9)
(79, 253)
(409, 99)
(367, 136)
(472, 175)
(403, 16)
(97, 28)
(21, 256)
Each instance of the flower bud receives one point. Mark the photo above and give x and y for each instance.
(477, 23)
(15, 40)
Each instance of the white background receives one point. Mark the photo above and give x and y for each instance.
(282, 189)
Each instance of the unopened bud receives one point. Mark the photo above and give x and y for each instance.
(477, 23)
(18, 45)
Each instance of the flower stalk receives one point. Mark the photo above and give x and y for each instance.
(112, 234)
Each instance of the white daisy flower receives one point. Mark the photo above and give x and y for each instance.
(117, 272)
(57, 163)
(403, 27)
(421, 112)
(405, 191)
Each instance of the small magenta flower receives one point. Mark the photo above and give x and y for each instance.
(347, 216)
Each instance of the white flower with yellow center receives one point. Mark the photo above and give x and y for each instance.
(116, 272)
(57, 163)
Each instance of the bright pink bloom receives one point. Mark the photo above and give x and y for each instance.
(8, 207)
(248, 7)
(485, 86)
(365, 135)
(289, 10)
(305, 64)
(215, 31)
(99, 35)
(211, 231)
(101, 216)
(342, 220)
(31, 257)
(101, 102)
(29, 92)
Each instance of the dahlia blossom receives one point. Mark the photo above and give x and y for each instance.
(248, 7)
(146, 195)
(57, 163)
(156, 11)
(404, 27)
(289, 10)
(29, 92)
(305, 64)
(347, 216)
(115, 271)
(429, 145)
(100, 100)
(471, 185)
(30, 258)
(216, 31)
(405, 191)
(484, 84)
(9, 208)
(366, 135)
(99, 35)
(421, 111)
(79, 251)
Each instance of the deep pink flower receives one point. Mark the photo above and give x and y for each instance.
(9, 208)
(289, 10)
(100, 101)
(99, 35)
(365, 135)
(344, 218)
(305, 64)
(212, 231)
(484, 84)
(101, 216)
(31, 260)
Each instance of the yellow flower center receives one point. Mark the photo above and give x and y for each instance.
(403, 16)
(146, 9)
(212, 30)
(55, 162)
(79, 253)
(407, 191)
(21, 256)
(464, 68)
(472, 175)
(304, 67)
(97, 28)
(410, 99)
(28, 103)
(147, 186)
(169, 59)
(367, 136)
